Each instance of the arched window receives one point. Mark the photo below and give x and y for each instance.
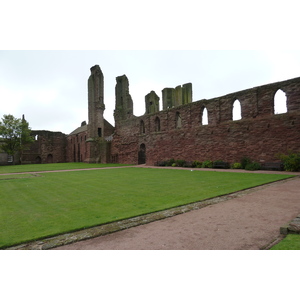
(236, 111)
(178, 120)
(204, 117)
(280, 105)
(157, 124)
(142, 127)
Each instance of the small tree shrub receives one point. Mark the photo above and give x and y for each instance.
(180, 162)
(197, 164)
(207, 164)
(291, 161)
(245, 161)
(170, 162)
(253, 166)
(236, 166)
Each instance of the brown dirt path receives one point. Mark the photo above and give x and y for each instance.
(249, 222)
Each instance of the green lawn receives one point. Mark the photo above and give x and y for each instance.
(51, 167)
(290, 242)
(54, 203)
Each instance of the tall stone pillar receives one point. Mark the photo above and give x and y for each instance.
(152, 103)
(168, 95)
(124, 103)
(95, 130)
(187, 93)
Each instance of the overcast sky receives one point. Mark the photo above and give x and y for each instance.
(50, 87)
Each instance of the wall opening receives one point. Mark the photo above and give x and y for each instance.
(204, 117)
(38, 160)
(142, 127)
(99, 132)
(157, 124)
(280, 102)
(142, 155)
(236, 111)
(178, 120)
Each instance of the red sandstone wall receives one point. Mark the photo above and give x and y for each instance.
(260, 134)
(77, 149)
(49, 147)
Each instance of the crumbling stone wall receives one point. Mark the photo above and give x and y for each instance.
(259, 135)
(124, 103)
(48, 147)
(152, 103)
(179, 96)
(90, 142)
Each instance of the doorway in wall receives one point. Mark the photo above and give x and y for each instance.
(142, 155)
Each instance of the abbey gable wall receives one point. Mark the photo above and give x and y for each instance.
(179, 132)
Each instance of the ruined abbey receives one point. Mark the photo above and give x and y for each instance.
(178, 130)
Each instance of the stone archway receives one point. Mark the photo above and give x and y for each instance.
(142, 155)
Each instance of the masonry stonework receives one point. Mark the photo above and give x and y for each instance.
(48, 147)
(178, 131)
(259, 135)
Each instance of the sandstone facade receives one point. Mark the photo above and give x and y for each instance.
(259, 134)
(179, 130)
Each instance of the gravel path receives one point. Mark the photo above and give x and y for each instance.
(248, 222)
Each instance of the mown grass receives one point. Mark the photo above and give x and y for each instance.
(52, 167)
(54, 203)
(290, 242)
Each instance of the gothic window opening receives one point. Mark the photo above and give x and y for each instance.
(204, 119)
(157, 124)
(142, 127)
(99, 132)
(236, 111)
(178, 120)
(280, 102)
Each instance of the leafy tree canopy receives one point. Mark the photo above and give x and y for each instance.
(14, 134)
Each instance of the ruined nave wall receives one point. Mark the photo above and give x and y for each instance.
(178, 132)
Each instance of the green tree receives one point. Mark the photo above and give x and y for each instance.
(14, 135)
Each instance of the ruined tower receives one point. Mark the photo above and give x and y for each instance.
(96, 105)
(124, 104)
(152, 103)
(95, 129)
(176, 97)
